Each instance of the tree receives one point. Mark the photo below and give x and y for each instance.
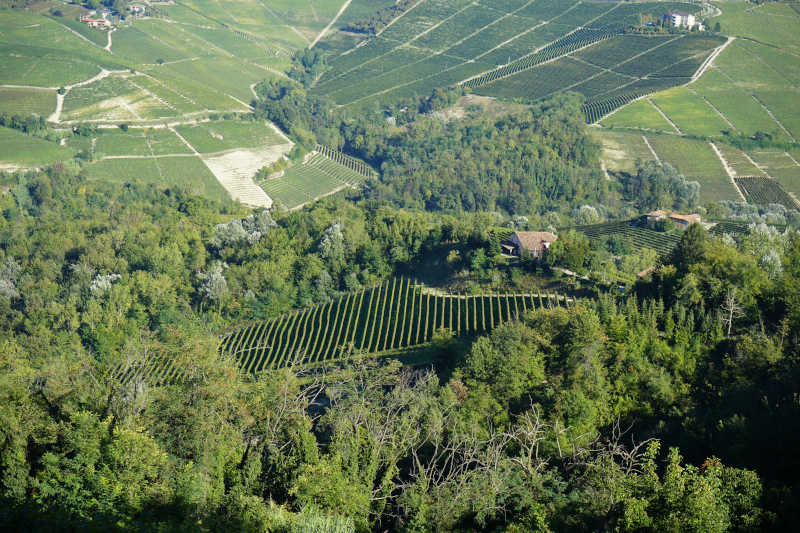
(730, 310)
(690, 249)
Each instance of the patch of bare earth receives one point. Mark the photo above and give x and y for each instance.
(235, 171)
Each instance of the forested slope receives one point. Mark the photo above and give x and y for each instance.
(671, 408)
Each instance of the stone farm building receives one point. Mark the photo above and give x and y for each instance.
(681, 19)
(682, 221)
(532, 243)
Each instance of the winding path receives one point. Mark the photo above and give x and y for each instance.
(56, 115)
(107, 47)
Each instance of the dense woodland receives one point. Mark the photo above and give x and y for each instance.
(671, 408)
(529, 162)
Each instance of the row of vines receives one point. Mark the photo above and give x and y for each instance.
(575, 41)
(395, 315)
(352, 163)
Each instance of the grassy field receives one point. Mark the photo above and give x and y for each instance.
(697, 161)
(18, 149)
(771, 23)
(216, 136)
(640, 114)
(621, 149)
(187, 172)
(690, 112)
(736, 102)
(27, 101)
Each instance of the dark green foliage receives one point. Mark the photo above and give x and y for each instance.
(660, 186)
(521, 163)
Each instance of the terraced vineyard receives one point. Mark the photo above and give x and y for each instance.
(522, 49)
(764, 191)
(639, 237)
(324, 172)
(395, 315)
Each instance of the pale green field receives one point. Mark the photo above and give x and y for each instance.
(738, 161)
(690, 112)
(781, 167)
(27, 101)
(771, 23)
(639, 114)
(188, 172)
(697, 161)
(736, 102)
(217, 136)
(35, 50)
(23, 150)
(622, 149)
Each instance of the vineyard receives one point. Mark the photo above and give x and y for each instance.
(324, 172)
(637, 236)
(762, 191)
(498, 49)
(395, 315)
(576, 41)
(595, 110)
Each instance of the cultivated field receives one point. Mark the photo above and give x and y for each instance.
(20, 150)
(217, 136)
(751, 86)
(764, 191)
(639, 237)
(697, 161)
(384, 319)
(15, 101)
(516, 49)
(322, 173)
(187, 172)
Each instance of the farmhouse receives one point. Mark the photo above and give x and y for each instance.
(532, 243)
(681, 19)
(682, 221)
(100, 24)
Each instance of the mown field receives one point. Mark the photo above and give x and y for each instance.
(385, 319)
(622, 149)
(516, 49)
(640, 114)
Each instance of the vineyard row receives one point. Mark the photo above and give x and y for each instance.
(395, 315)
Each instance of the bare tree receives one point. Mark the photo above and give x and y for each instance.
(730, 310)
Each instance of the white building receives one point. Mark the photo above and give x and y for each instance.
(681, 18)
